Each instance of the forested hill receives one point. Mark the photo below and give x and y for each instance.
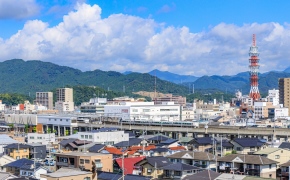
(18, 76)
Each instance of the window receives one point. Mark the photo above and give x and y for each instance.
(82, 136)
(239, 148)
(149, 170)
(31, 137)
(177, 173)
(60, 119)
(90, 137)
(87, 178)
(270, 166)
(17, 157)
(81, 161)
(277, 156)
(24, 150)
(86, 136)
(87, 161)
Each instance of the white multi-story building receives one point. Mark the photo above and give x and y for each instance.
(144, 111)
(95, 105)
(67, 106)
(107, 136)
(281, 112)
(273, 96)
(2, 106)
(41, 138)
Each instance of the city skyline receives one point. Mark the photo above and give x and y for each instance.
(184, 37)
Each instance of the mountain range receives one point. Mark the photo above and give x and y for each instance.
(19, 76)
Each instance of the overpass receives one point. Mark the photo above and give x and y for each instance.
(177, 132)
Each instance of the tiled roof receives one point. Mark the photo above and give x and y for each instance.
(146, 148)
(287, 164)
(158, 161)
(115, 176)
(168, 141)
(129, 163)
(177, 148)
(131, 142)
(204, 175)
(285, 145)
(96, 148)
(248, 159)
(159, 150)
(81, 142)
(16, 145)
(192, 155)
(179, 167)
(159, 138)
(204, 140)
(113, 150)
(73, 145)
(5, 139)
(19, 163)
(64, 142)
(185, 139)
(249, 142)
(268, 150)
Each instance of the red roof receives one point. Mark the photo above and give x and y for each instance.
(113, 150)
(177, 148)
(129, 163)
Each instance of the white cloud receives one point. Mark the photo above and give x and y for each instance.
(18, 9)
(121, 42)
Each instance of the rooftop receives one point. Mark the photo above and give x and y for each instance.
(65, 172)
(192, 155)
(249, 142)
(248, 159)
(81, 154)
(268, 150)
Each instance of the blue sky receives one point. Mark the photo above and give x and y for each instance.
(201, 37)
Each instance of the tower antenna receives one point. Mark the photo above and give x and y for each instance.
(254, 70)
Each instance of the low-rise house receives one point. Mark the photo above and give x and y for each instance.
(73, 146)
(284, 170)
(285, 145)
(179, 170)
(15, 166)
(112, 150)
(6, 140)
(128, 164)
(248, 145)
(159, 151)
(37, 151)
(29, 170)
(130, 143)
(118, 176)
(200, 159)
(151, 166)
(85, 161)
(158, 138)
(4, 159)
(202, 143)
(63, 143)
(169, 143)
(276, 154)
(186, 142)
(96, 148)
(204, 175)
(224, 147)
(245, 164)
(69, 174)
(17, 150)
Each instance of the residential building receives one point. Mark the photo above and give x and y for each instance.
(2, 106)
(131, 142)
(4, 159)
(37, 151)
(151, 166)
(252, 165)
(187, 114)
(273, 96)
(45, 99)
(64, 94)
(106, 136)
(248, 145)
(32, 171)
(17, 150)
(6, 176)
(41, 138)
(15, 166)
(114, 176)
(284, 92)
(74, 145)
(5, 140)
(92, 147)
(67, 106)
(180, 100)
(261, 109)
(179, 170)
(95, 105)
(284, 174)
(200, 159)
(202, 143)
(85, 161)
(128, 164)
(69, 174)
(204, 175)
(143, 111)
(276, 154)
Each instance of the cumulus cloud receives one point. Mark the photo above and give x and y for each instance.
(120, 42)
(18, 9)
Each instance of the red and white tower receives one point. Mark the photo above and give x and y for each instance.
(254, 70)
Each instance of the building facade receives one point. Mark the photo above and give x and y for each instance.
(64, 94)
(41, 138)
(45, 99)
(284, 92)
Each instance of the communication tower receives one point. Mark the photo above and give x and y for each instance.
(254, 70)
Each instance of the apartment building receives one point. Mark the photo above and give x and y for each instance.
(64, 94)
(64, 100)
(45, 99)
(284, 92)
(85, 161)
(41, 138)
(261, 109)
(171, 98)
(17, 150)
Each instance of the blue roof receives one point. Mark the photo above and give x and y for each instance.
(158, 161)
(249, 142)
(19, 163)
(179, 167)
(285, 145)
(204, 140)
(158, 138)
(132, 142)
(169, 141)
(116, 176)
(159, 150)
(96, 148)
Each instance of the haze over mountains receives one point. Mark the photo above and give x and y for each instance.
(32, 76)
